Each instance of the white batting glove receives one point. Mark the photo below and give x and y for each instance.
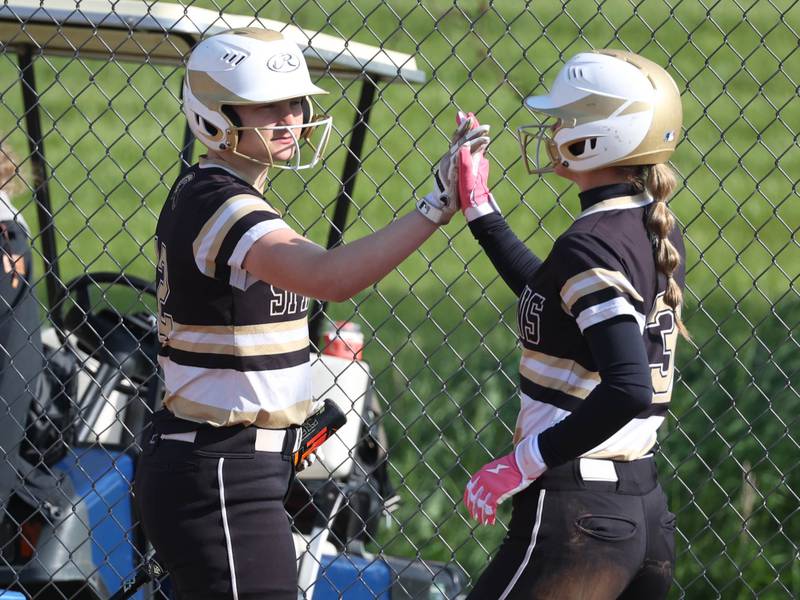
(442, 203)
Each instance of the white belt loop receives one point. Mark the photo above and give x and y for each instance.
(298, 439)
(270, 440)
(595, 469)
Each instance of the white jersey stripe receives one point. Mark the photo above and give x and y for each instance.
(209, 239)
(239, 277)
(608, 310)
(228, 396)
(243, 339)
(531, 546)
(590, 281)
(572, 381)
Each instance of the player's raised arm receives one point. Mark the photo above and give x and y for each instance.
(514, 261)
(290, 261)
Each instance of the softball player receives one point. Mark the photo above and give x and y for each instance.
(598, 322)
(233, 286)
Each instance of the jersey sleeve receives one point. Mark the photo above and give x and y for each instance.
(593, 282)
(230, 230)
(514, 261)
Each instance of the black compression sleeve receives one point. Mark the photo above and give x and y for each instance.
(513, 260)
(625, 390)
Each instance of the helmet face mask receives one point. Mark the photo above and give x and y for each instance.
(245, 67)
(543, 138)
(303, 138)
(613, 108)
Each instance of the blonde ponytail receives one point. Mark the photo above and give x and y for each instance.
(9, 174)
(659, 180)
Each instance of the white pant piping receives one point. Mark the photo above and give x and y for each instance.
(528, 553)
(226, 528)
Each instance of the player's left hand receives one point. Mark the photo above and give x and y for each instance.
(491, 485)
(472, 168)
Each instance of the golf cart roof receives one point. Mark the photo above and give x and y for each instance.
(165, 32)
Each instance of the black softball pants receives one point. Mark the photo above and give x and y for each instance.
(213, 510)
(572, 537)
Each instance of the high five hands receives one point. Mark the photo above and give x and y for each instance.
(464, 155)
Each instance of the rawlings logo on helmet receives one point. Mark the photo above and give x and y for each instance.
(284, 62)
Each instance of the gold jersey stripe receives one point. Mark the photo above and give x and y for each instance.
(241, 329)
(556, 381)
(237, 349)
(592, 280)
(198, 412)
(254, 204)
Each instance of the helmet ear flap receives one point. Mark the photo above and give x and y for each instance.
(308, 110)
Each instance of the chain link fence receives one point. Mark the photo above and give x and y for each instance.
(90, 115)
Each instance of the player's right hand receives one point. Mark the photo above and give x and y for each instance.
(491, 485)
(309, 460)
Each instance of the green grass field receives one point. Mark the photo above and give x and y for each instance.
(440, 330)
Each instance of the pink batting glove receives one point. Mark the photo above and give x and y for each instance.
(473, 188)
(490, 486)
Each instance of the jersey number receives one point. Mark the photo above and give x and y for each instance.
(530, 309)
(162, 293)
(663, 334)
(286, 303)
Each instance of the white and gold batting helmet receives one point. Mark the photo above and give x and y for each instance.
(612, 108)
(250, 66)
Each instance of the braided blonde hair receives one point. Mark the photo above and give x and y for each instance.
(659, 181)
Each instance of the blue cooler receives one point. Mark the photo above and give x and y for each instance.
(352, 577)
(386, 578)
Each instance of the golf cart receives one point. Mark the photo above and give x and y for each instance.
(68, 527)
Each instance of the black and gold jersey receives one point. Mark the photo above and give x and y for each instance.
(233, 349)
(600, 268)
